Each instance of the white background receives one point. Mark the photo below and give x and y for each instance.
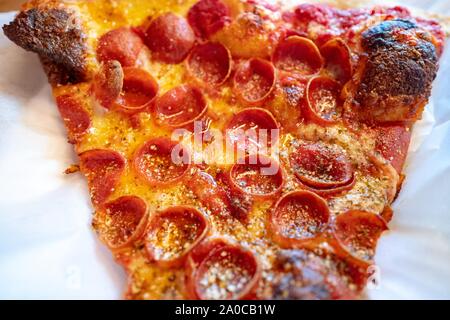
(48, 249)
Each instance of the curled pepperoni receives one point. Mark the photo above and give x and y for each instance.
(298, 218)
(172, 233)
(254, 81)
(253, 129)
(298, 55)
(218, 269)
(170, 38)
(257, 175)
(210, 194)
(210, 63)
(108, 83)
(207, 17)
(294, 89)
(393, 143)
(76, 118)
(161, 161)
(139, 90)
(125, 219)
(240, 202)
(331, 192)
(103, 169)
(180, 106)
(324, 105)
(357, 233)
(387, 213)
(338, 61)
(218, 197)
(321, 166)
(120, 44)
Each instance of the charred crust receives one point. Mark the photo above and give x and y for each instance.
(401, 63)
(381, 34)
(56, 36)
(297, 278)
(57, 73)
(400, 70)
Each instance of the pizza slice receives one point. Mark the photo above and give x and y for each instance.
(237, 149)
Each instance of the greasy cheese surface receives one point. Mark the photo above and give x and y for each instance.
(113, 130)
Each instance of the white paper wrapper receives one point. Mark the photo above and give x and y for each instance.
(47, 247)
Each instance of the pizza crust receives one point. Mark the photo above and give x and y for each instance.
(68, 58)
(42, 26)
(56, 35)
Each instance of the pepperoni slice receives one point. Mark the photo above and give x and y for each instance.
(253, 129)
(298, 218)
(161, 161)
(218, 197)
(387, 213)
(218, 269)
(108, 83)
(125, 220)
(324, 105)
(331, 192)
(240, 202)
(254, 81)
(294, 90)
(298, 55)
(139, 90)
(180, 106)
(393, 143)
(318, 13)
(258, 176)
(338, 61)
(103, 169)
(120, 44)
(210, 63)
(207, 17)
(210, 194)
(321, 166)
(172, 233)
(357, 233)
(170, 38)
(76, 118)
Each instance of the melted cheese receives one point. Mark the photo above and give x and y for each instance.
(113, 130)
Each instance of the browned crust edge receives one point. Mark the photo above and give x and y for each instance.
(56, 35)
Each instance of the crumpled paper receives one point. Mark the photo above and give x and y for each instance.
(49, 251)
